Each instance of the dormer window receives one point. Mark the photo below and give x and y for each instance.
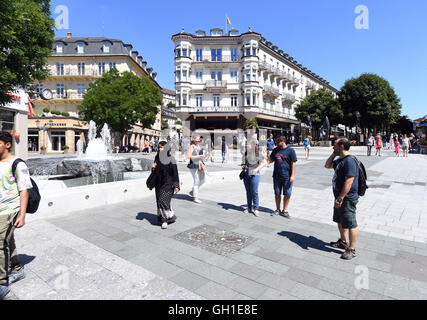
(80, 48)
(59, 48)
(106, 48)
(200, 33)
(216, 32)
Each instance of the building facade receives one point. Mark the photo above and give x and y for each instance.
(221, 80)
(74, 64)
(14, 119)
(169, 117)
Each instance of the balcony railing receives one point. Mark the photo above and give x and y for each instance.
(216, 84)
(289, 97)
(216, 59)
(272, 91)
(273, 113)
(67, 96)
(204, 109)
(73, 72)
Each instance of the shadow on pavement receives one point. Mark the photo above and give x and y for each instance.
(183, 197)
(25, 259)
(229, 206)
(152, 218)
(308, 242)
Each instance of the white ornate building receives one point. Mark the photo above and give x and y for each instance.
(223, 79)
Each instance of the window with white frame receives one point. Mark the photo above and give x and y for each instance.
(233, 76)
(234, 100)
(80, 48)
(101, 68)
(184, 73)
(216, 99)
(60, 90)
(199, 55)
(248, 73)
(39, 88)
(254, 98)
(178, 97)
(81, 69)
(81, 89)
(178, 74)
(184, 97)
(233, 54)
(199, 76)
(59, 69)
(59, 48)
(106, 48)
(199, 100)
(112, 65)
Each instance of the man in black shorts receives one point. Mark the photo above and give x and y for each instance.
(345, 188)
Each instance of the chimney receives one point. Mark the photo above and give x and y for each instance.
(69, 34)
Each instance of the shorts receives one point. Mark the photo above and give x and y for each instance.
(405, 147)
(307, 147)
(346, 215)
(282, 184)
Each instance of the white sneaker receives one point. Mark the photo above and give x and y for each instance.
(164, 225)
(197, 201)
(256, 213)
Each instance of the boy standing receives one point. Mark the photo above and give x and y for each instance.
(13, 207)
(284, 159)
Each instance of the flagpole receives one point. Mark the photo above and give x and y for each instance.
(226, 23)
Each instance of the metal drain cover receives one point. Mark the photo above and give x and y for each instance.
(215, 240)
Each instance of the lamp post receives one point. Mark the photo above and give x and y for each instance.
(309, 123)
(44, 128)
(357, 113)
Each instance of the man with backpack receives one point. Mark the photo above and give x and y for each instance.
(346, 188)
(14, 197)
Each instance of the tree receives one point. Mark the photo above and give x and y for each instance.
(316, 106)
(375, 100)
(249, 123)
(121, 101)
(26, 38)
(403, 125)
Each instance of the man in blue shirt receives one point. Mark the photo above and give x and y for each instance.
(345, 189)
(284, 159)
(270, 145)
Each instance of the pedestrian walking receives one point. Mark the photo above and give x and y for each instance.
(391, 144)
(384, 139)
(13, 207)
(195, 154)
(224, 149)
(270, 145)
(167, 183)
(406, 144)
(379, 145)
(146, 146)
(345, 189)
(307, 146)
(252, 162)
(396, 145)
(284, 158)
(370, 143)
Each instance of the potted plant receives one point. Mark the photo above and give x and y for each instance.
(66, 149)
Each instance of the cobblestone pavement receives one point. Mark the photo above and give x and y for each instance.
(119, 251)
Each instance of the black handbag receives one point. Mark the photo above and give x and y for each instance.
(151, 180)
(243, 173)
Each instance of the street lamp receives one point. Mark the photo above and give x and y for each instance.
(357, 113)
(309, 122)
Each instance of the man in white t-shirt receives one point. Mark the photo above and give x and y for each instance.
(13, 207)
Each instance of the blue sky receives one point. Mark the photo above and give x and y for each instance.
(319, 34)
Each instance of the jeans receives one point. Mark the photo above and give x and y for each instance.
(223, 155)
(369, 150)
(251, 186)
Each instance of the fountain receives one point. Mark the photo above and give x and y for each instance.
(96, 165)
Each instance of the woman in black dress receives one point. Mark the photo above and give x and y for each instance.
(167, 183)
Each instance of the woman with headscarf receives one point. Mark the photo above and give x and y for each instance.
(167, 183)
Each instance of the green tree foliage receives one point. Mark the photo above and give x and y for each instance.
(375, 100)
(403, 125)
(316, 106)
(121, 100)
(26, 38)
(251, 123)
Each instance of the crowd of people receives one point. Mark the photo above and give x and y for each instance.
(397, 142)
